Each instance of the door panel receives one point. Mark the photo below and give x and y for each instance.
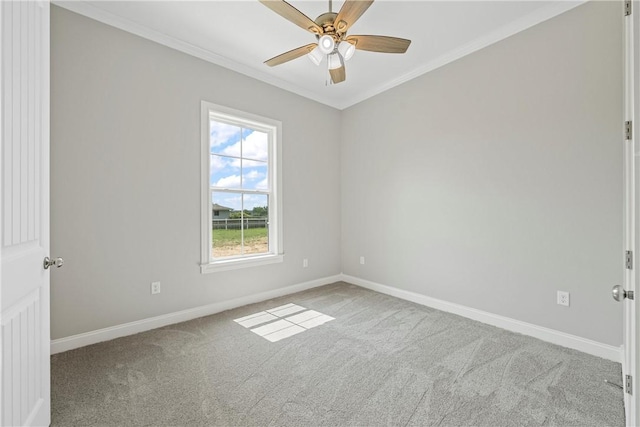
(23, 391)
(24, 286)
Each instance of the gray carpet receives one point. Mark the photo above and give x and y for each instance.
(382, 361)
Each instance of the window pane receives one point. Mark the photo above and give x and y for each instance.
(226, 225)
(255, 145)
(225, 139)
(225, 172)
(255, 175)
(256, 233)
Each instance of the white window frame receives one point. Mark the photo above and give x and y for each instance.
(273, 128)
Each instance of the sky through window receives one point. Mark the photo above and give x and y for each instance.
(239, 161)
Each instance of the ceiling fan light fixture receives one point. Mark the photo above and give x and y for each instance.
(346, 49)
(330, 31)
(316, 55)
(335, 61)
(326, 44)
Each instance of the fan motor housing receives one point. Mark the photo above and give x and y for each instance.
(326, 21)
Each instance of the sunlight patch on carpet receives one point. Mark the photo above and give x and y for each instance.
(274, 325)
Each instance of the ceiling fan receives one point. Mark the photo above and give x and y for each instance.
(330, 30)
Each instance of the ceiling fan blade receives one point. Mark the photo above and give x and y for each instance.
(289, 12)
(384, 44)
(338, 75)
(292, 54)
(349, 13)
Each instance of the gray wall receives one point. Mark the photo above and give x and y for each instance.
(491, 182)
(496, 180)
(125, 178)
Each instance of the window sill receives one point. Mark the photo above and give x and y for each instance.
(238, 263)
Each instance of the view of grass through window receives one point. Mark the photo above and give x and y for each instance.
(245, 234)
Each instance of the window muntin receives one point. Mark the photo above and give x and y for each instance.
(240, 156)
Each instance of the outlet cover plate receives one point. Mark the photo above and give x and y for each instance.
(155, 288)
(563, 298)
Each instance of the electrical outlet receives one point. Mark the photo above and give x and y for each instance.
(305, 263)
(362, 260)
(563, 298)
(155, 288)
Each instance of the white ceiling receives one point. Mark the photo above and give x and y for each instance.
(241, 35)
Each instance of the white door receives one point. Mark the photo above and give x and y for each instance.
(24, 215)
(632, 215)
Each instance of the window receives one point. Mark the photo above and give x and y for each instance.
(241, 207)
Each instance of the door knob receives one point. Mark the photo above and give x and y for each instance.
(619, 294)
(48, 262)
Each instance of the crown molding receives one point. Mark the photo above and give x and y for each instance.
(528, 21)
(495, 36)
(90, 11)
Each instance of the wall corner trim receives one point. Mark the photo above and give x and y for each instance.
(131, 328)
(563, 339)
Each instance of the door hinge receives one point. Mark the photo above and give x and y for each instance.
(628, 384)
(629, 260)
(627, 8)
(628, 126)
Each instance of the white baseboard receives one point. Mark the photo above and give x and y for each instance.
(550, 335)
(93, 337)
(546, 334)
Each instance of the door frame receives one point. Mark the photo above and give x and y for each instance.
(631, 321)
